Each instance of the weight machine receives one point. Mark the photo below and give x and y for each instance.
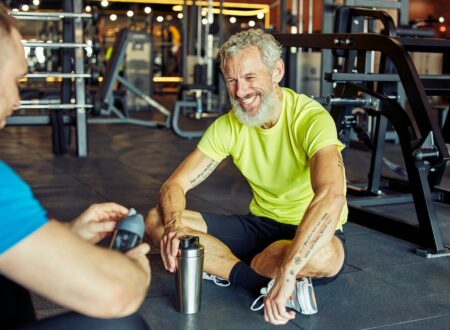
(106, 104)
(202, 94)
(423, 148)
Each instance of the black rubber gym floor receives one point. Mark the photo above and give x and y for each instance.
(385, 285)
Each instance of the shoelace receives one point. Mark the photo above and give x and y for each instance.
(216, 280)
(255, 308)
(264, 292)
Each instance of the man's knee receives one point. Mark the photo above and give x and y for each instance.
(271, 257)
(328, 260)
(154, 226)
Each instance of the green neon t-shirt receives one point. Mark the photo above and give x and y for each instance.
(275, 161)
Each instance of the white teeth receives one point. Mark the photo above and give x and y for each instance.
(248, 100)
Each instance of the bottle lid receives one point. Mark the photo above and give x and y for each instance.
(190, 246)
(133, 223)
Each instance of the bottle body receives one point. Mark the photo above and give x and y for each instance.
(189, 275)
(129, 232)
(124, 240)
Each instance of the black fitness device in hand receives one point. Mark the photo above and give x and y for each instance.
(129, 232)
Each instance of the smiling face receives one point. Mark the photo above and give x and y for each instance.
(12, 69)
(253, 88)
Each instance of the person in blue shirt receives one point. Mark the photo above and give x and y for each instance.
(59, 261)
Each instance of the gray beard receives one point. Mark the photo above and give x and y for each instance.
(263, 115)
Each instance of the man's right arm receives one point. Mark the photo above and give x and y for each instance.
(191, 172)
(75, 274)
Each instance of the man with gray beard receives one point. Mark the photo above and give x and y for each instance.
(285, 144)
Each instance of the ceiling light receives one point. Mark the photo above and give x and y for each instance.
(159, 19)
(36, 2)
(232, 19)
(113, 17)
(25, 7)
(251, 23)
(130, 13)
(104, 3)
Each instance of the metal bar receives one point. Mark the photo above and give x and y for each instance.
(126, 120)
(404, 12)
(57, 75)
(184, 45)
(80, 87)
(376, 161)
(383, 77)
(147, 98)
(31, 18)
(55, 106)
(18, 120)
(428, 45)
(379, 4)
(283, 16)
(37, 15)
(380, 200)
(425, 209)
(40, 102)
(176, 117)
(344, 101)
(55, 44)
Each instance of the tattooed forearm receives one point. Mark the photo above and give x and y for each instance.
(292, 273)
(323, 227)
(209, 168)
(313, 231)
(340, 162)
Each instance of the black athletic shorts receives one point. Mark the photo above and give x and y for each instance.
(248, 235)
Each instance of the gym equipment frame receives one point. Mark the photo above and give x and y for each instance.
(72, 48)
(425, 163)
(112, 76)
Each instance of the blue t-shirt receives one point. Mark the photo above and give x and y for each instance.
(20, 212)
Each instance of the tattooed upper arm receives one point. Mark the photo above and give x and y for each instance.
(202, 173)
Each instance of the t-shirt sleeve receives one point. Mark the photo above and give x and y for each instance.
(319, 130)
(215, 142)
(21, 213)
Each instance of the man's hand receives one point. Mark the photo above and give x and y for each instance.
(170, 244)
(275, 303)
(139, 254)
(98, 221)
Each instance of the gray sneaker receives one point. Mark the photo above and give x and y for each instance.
(303, 300)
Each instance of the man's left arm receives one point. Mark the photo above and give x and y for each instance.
(314, 232)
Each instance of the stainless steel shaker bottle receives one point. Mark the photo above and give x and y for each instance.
(189, 275)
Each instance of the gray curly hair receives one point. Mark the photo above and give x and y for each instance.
(269, 48)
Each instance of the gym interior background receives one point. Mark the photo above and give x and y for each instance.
(118, 93)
